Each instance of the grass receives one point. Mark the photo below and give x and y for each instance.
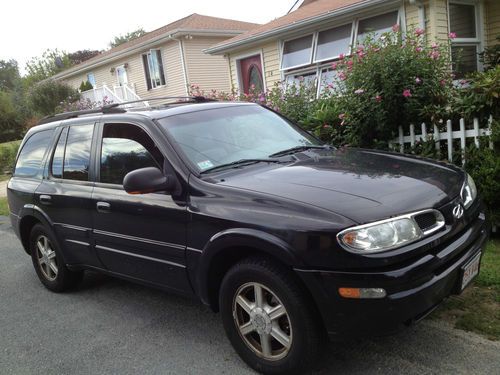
(477, 309)
(4, 208)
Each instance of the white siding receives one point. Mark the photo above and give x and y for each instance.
(208, 71)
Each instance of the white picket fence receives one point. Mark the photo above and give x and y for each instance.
(448, 136)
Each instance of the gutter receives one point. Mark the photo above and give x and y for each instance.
(150, 42)
(183, 62)
(299, 24)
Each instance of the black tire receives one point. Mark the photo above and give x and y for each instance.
(302, 323)
(61, 280)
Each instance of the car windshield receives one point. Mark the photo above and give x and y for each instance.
(219, 136)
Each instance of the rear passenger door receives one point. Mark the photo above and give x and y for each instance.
(66, 191)
(139, 236)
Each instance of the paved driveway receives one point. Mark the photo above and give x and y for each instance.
(115, 327)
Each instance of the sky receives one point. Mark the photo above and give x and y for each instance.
(27, 28)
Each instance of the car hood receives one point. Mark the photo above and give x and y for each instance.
(362, 185)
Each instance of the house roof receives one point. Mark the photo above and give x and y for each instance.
(308, 12)
(194, 23)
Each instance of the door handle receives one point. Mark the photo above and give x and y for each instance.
(45, 199)
(103, 207)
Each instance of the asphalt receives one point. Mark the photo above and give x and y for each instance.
(109, 326)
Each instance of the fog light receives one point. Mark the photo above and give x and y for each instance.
(359, 293)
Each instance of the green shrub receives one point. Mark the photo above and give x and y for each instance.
(46, 96)
(8, 152)
(483, 165)
(10, 122)
(86, 86)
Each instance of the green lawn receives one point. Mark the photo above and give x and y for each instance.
(4, 208)
(478, 308)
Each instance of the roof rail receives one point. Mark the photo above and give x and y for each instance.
(114, 108)
(110, 108)
(195, 98)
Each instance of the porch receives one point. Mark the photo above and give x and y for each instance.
(114, 94)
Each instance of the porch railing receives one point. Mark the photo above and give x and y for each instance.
(118, 94)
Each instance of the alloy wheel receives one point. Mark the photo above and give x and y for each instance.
(46, 256)
(262, 321)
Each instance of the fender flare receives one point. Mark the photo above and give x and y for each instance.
(240, 237)
(31, 210)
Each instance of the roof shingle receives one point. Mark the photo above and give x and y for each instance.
(304, 12)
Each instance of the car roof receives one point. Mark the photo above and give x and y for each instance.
(153, 112)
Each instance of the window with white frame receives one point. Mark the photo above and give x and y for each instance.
(91, 79)
(308, 59)
(297, 52)
(376, 25)
(153, 69)
(333, 42)
(466, 41)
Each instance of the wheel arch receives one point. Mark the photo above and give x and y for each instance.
(32, 215)
(229, 247)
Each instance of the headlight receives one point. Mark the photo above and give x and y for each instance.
(391, 233)
(469, 192)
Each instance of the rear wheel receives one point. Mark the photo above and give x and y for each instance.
(269, 319)
(48, 261)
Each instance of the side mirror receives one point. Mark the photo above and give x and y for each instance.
(148, 180)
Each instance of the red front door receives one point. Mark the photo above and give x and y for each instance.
(251, 74)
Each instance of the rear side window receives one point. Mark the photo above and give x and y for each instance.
(126, 148)
(30, 158)
(71, 158)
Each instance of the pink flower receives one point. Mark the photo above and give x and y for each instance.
(361, 48)
(359, 91)
(378, 98)
(326, 126)
(407, 93)
(341, 116)
(419, 49)
(330, 86)
(395, 28)
(419, 32)
(434, 45)
(334, 66)
(341, 56)
(342, 76)
(442, 82)
(452, 35)
(361, 54)
(463, 82)
(418, 81)
(350, 63)
(434, 55)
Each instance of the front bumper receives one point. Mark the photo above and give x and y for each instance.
(413, 290)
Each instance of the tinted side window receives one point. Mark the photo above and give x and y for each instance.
(58, 159)
(77, 155)
(30, 158)
(126, 148)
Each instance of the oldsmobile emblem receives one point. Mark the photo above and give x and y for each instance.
(458, 211)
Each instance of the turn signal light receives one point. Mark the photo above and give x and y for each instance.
(359, 293)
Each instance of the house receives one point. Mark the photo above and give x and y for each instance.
(162, 62)
(305, 42)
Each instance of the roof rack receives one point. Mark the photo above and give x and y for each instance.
(114, 107)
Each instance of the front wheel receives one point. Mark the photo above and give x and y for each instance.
(269, 319)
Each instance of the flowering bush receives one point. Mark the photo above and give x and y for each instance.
(81, 104)
(388, 82)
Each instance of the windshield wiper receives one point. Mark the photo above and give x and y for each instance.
(242, 162)
(295, 149)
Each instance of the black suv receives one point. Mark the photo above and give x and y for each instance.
(290, 239)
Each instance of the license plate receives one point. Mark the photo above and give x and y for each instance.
(470, 270)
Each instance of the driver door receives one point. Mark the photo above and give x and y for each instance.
(138, 236)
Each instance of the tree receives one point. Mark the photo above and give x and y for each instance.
(82, 55)
(9, 74)
(46, 96)
(120, 39)
(50, 63)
